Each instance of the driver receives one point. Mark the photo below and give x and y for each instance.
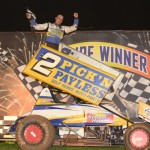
(55, 31)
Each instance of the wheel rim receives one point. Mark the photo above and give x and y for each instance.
(33, 134)
(139, 138)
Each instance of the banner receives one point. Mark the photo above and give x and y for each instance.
(117, 56)
(126, 51)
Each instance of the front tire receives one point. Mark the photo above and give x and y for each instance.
(137, 137)
(35, 133)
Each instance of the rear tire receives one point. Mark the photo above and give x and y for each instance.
(137, 137)
(35, 133)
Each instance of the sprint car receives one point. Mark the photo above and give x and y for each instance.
(84, 110)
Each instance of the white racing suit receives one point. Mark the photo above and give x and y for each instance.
(54, 33)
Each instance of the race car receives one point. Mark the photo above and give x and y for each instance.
(84, 109)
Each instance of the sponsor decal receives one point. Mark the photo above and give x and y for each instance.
(100, 118)
(69, 74)
(55, 32)
(147, 111)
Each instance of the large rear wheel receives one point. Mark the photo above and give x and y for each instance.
(137, 137)
(35, 133)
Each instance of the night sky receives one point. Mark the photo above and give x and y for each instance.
(93, 14)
